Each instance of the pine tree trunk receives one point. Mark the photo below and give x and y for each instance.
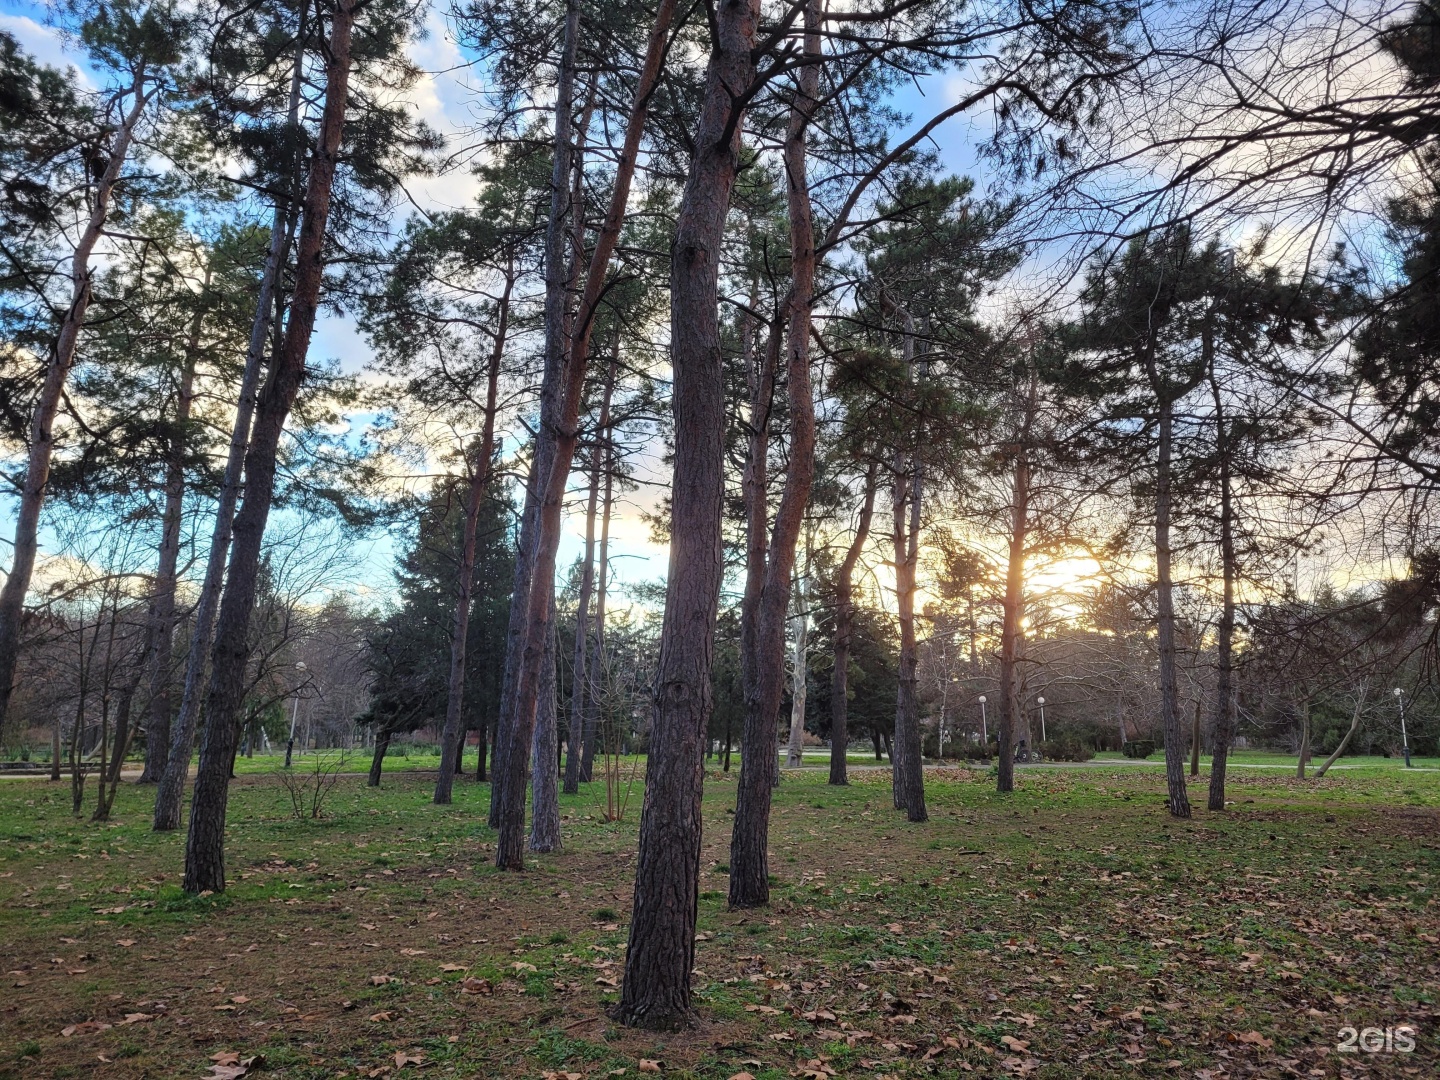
(661, 950)
(452, 740)
(1013, 608)
(765, 686)
(26, 545)
(906, 756)
(799, 683)
(509, 853)
(507, 788)
(205, 842)
(595, 667)
(545, 810)
(160, 623)
(580, 694)
(1179, 800)
(1225, 638)
(171, 791)
(844, 628)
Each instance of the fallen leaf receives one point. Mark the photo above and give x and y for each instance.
(648, 1066)
(452, 967)
(1255, 1039)
(476, 986)
(125, 943)
(380, 1017)
(1020, 1046)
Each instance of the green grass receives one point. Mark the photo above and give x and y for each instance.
(1073, 915)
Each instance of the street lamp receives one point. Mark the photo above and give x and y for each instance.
(984, 731)
(1404, 741)
(1041, 702)
(294, 712)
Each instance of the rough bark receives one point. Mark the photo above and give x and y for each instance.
(765, 686)
(171, 791)
(844, 627)
(1195, 738)
(1304, 750)
(661, 951)
(205, 842)
(545, 800)
(26, 545)
(509, 851)
(452, 740)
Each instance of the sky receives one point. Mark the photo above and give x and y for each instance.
(445, 99)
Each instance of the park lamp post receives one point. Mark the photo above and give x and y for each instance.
(1041, 702)
(1404, 740)
(294, 712)
(984, 731)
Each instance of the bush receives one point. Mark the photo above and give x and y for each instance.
(1067, 748)
(1139, 748)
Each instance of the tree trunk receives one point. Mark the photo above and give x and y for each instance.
(1011, 625)
(1224, 646)
(1304, 759)
(507, 788)
(55, 749)
(799, 683)
(160, 623)
(844, 627)
(171, 791)
(661, 951)
(205, 842)
(1195, 738)
(907, 764)
(509, 852)
(47, 403)
(765, 685)
(377, 763)
(1349, 734)
(452, 740)
(581, 691)
(595, 667)
(1179, 799)
(545, 755)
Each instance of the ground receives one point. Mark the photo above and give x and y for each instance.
(1071, 929)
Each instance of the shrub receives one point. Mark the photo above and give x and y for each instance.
(1139, 748)
(1067, 748)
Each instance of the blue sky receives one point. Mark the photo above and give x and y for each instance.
(445, 101)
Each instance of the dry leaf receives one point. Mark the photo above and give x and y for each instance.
(1020, 1046)
(476, 986)
(380, 1017)
(648, 1066)
(1255, 1039)
(452, 967)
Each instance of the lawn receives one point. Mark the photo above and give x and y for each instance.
(1071, 929)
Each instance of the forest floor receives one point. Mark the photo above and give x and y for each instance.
(1070, 929)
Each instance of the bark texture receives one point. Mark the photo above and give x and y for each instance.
(545, 800)
(764, 689)
(205, 841)
(661, 951)
(1225, 635)
(1171, 722)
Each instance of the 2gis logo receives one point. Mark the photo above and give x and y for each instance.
(1377, 1040)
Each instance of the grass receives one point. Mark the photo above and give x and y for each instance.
(1070, 929)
